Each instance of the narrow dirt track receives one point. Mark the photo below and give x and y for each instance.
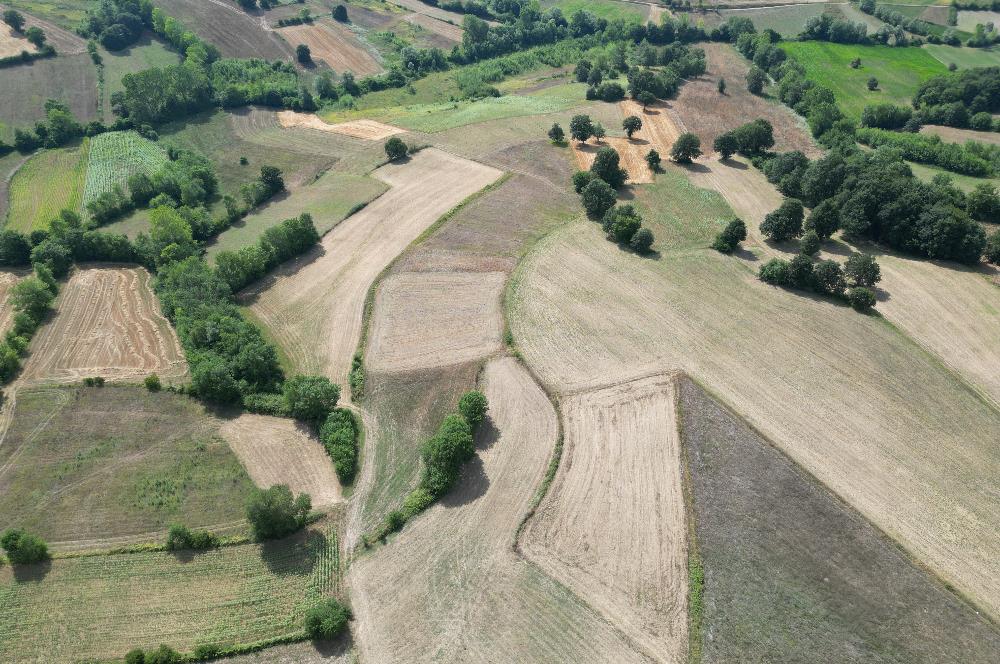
(449, 587)
(612, 526)
(313, 306)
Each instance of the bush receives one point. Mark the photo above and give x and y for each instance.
(163, 655)
(326, 619)
(181, 538)
(556, 133)
(135, 656)
(152, 383)
(266, 404)
(339, 436)
(862, 270)
(992, 252)
(621, 223)
(340, 13)
(785, 222)
(274, 513)
(756, 80)
(775, 272)
(809, 244)
(642, 241)
(861, 298)
(653, 160)
(444, 453)
(730, 237)
(581, 179)
(473, 406)
(598, 197)
(395, 148)
(22, 547)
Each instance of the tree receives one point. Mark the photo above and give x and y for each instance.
(754, 137)
(581, 179)
(861, 298)
(581, 127)
(135, 656)
(824, 219)
(756, 79)
(800, 272)
(395, 148)
(606, 166)
(631, 124)
(274, 512)
(599, 132)
(22, 547)
(310, 398)
(582, 71)
(983, 203)
(340, 13)
(645, 98)
(270, 177)
(653, 160)
(726, 145)
(326, 619)
(303, 54)
(774, 272)
(809, 244)
(14, 19)
(862, 270)
(785, 222)
(828, 278)
(992, 251)
(642, 241)
(598, 197)
(444, 453)
(162, 655)
(556, 134)
(32, 296)
(873, 83)
(35, 35)
(686, 147)
(14, 248)
(730, 237)
(152, 383)
(621, 223)
(473, 406)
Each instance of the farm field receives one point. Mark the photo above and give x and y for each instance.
(146, 53)
(335, 45)
(366, 129)
(89, 467)
(606, 9)
(450, 32)
(786, 21)
(9, 164)
(7, 281)
(12, 43)
(791, 571)
(964, 182)
(65, 13)
(232, 595)
(69, 78)
(46, 184)
(320, 296)
(114, 157)
(964, 58)
(236, 33)
(62, 37)
(899, 71)
(955, 135)
(107, 323)
(967, 20)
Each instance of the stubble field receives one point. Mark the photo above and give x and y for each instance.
(335, 45)
(226, 25)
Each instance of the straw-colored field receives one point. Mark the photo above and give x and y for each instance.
(367, 129)
(335, 45)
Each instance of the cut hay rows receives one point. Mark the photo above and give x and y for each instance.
(12, 43)
(834, 390)
(367, 129)
(335, 45)
(612, 525)
(116, 156)
(313, 307)
(451, 588)
(108, 605)
(278, 450)
(7, 281)
(107, 323)
(434, 319)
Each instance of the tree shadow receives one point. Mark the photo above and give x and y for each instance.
(472, 484)
(33, 573)
(637, 141)
(695, 167)
(487, 434)
(734, 163)
(295, 555)
(745, 254)
(334, 648)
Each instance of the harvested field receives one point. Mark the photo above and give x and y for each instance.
(451, 588)
(919, 463)
(367, 129)
(612, 525)
(967, 20)
(278, 450)
(88, 467)
(9, 164)
(791, 571)
(341, 651)
(632, 154)
(428, 10)
(46, 184)
(955, 135)
(108, 324)
(335, 45)
(71, 79)
(227, 26)
(75, 608)
(450, 31)
(965, 56)
(434, 319)
(313, 306)
(7, 281)
(11, 43)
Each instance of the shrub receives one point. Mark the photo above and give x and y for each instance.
(394, 521)
(556, 133)
(775, 272)
(861, 298)
(182, 538)
(135, 656)
(581, 179)
(395, 148)
(357, 376)
(756, 79)
(828, 277)
(310, 398)
(992, 252)
(152, 383)
(686, 147)
(809, 244)
(326, 619)
(621, 222)
(163, 655)
(444, 453)
(730, 237)
(872, 83)
(607, 167)
(415, 503)
(642, 241)
(598, 197)
(653, 160)
(785, 222)
(339, 436)
(274, 512)
(266, 404)
(473, 406)
(340, 13)
(22, 547)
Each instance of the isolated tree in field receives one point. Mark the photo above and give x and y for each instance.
(581, 179)
(310, 398)
(631, 124)
(861, 298)
(754, 137)
(621, 223)
(607, 167)
(340, 13)
(326, 619)
(473, 406)
(271, 178)
(862, 270)
(22, 547)
(686, 147)
(653, 160)
(729, 238)
(873, 83)
(809, 244)
(756, 79)
(642, 241)
(824, 219)
(303, 54)
(14, 19)
(726, 145)
(581, 127)
(275, 512)
(646, 98)
(785, 222)
(992, 251)
(722, 86)
(599, 132)
(556, 134)
(395, 148)
(856, 63)
(598, 197)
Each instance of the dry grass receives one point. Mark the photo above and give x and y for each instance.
(450, 31)
(433, 319)
(107, 324)
(224, 24)
(313, 306)
(631, 154)
(7, 281)
(450, 587)
(612, 525)
(69, 78)
(955, 135)
(366, 129)
(434, 12)
(335, 45)
(277, 450)
(12, 43)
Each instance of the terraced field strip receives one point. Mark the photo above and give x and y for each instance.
(955, 135)
(7, 281)
(116, 156)
(108, 324)
(449, 31)
(612, 525)
(434, 319)
(49, 182)
(335, 45)
(278, 450)
(367, 129)
(72, 609)
(450, 587)
(313, 306)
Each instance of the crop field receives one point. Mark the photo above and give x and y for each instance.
(964, 58)
(226, 25)
(967, 20)
(277, 450)
(70, 79)
(428, 10)
(62, 37)
(116, 156)
(433, 319)
(450, 586)
(917, 463)
(46, 184)
(312, 306)
(334, 44)
(367, 129)
(632, 154)
(232, 595)
(786, 21)
(621, 549)
(606, 9)
(964, 182)
(9, 164)
(450, 32)
(12, 43)
(899, 71)
(107, 323)
(90, 467)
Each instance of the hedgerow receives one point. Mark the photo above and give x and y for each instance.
(339, 436)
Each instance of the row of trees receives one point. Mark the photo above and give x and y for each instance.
(956, 98)
(967, 159)
(35, 35)
(290, 238)
(31, 299)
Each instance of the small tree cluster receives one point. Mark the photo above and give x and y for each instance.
(274, 512)
(339, 435)
(182, 538)
(326, 619)
(730, 237)
(162, 655)
(750, 139)
(852, 282)
(22, 547)
(310, 398)
(622, 224)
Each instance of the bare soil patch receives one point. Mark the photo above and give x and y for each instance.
(612, 525)
(367, 129)
(335, 45)
(107, 323)
(432, 319)
(955, 135)
(11, 43)
(450, 587)
(278, 450)
(313, 305)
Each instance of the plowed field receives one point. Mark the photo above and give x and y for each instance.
(335, 45)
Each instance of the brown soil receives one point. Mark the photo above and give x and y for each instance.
(631, 154)
(227, 26)
(335, 45)
(7, 281)
(107, 323)
(366, 129)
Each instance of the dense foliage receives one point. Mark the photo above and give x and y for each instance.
(182, 538)
(326, 619)
(22, 547)
(955, 98)
(339, 435)
(274, 512)
(292, 237)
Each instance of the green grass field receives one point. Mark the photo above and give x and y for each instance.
(607, 9)
(118, 461)
(899, 71)
(64, 13)
(114, 157)
(144, 54)
(964, 58)
(100, 607)
(71, 79)
(963, 182)
(49, 182)
(786, 21)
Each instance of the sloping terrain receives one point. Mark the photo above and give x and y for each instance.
(225, 25)
(368, 129)
(7, 281)
(335, 45)
(69, 78)
(47, 183)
